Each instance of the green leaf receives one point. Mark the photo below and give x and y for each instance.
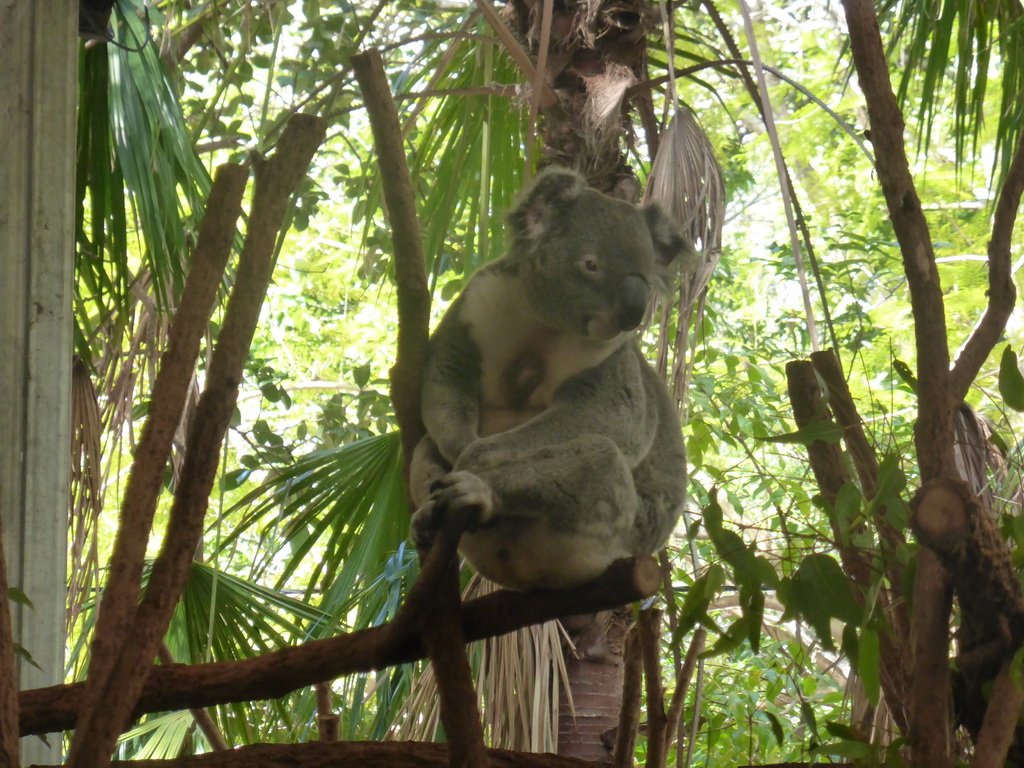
(732, 638)
(698, 598)
(854, 749)
(1011, 383)
(904, 372)
(361, 375)
(777, 731)
(847, 510)
(867, 663)
(819, 592)
(15, 595)
(809, 719)
(842, 731)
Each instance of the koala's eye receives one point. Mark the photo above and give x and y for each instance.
(588, 265)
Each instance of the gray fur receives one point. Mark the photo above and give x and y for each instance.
(545, 423)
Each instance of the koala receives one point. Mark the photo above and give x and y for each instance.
(546, 427)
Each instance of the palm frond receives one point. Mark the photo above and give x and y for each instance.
(949, 49)
(158, 738)
(346, 504)
(86, 493)
(466, 146)
(685, 177)
(518, 676)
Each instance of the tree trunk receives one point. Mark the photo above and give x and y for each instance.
(586, 725)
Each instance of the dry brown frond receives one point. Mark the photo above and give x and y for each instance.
(518, 679)
(686, 179)
(86, 491)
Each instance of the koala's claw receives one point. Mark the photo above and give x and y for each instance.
(459, 493)
(424, 524)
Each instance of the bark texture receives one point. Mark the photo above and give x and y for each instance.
(181, 686)
(347, 754)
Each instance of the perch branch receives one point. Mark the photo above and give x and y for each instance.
(1001, 291)
(348, 754)
(410, 274)
(121, 594)
(201, 716)
(276, 179)
(272, 675)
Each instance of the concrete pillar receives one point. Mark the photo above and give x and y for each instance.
(38, 81)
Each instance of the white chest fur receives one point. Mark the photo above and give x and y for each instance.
(523, 361)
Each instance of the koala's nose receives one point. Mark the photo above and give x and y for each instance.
(633, 298)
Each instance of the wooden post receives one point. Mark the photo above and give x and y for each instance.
(38, 81)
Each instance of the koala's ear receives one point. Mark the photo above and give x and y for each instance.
(669, 242)
(554, 191)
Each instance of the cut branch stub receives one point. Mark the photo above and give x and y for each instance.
(948, 519)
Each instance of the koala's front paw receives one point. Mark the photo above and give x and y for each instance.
(457, 493)
(465, 494)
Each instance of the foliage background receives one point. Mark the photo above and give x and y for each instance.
(311, 524)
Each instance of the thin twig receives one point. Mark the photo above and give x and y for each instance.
(1001, 291)
(517, 52)
(676, 705)
(649, 623)
(629, 709)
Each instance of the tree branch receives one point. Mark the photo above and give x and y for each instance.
(629, 711)
(930, 728)
(410, 274)
(441, 631)
(829, 469)
(272, 675)
(348, 754)
(1001, 717)
(1001, 291)
(121, 594)
(276, 179)
(649, 623)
